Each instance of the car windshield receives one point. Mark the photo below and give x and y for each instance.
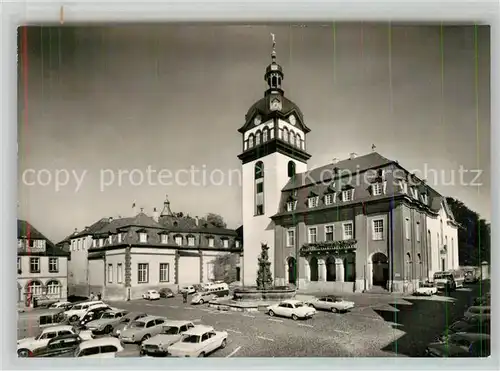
(170, 330)
(191, 339)
(137, 324)
(77, 307)
(298, 305)
(107, 315)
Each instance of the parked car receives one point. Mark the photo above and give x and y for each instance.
(151, 295)
(171, 333)
(166, 293)
(66, 305)
(484, 300)
(471, 326)
(202, 297)
(189, 289)
(26, 346)
(60, 346)
(332, 303)
(461, 344)
(126, 321)
(106, 347)
(198, 341)
(426, 289)
(92, 314)
(293, 309)
(478, 311)
(105, 323)
(78, 310)
(142, 329)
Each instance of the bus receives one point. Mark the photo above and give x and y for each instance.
(449, 280)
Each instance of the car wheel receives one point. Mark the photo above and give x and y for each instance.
(294, 317)
(202, 301)
(108, 329)
(271, 313)
(202, 354)
(223, 344)
(23, 353)
(73, 318)
(145, 337)
(334, 310)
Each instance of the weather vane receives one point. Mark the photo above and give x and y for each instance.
(274, 40)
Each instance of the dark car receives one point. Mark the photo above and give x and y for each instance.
(166, 293)
(471, 326)
(60, 346)
(461, 344)
(92, 315)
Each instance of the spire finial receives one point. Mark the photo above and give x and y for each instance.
(273, 53)
(373, 147)
(166, 199)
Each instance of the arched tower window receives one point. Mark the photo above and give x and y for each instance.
(291, 169)
(259, 188)
(274, 82)
(299, 141)
(258, 138)
(250, 140)
(265, 135)
(292, 138)
(286, 135)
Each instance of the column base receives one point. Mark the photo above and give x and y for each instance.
(279, 282)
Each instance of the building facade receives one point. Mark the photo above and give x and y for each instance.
(353, 225)
(42, 268)
(128, 256)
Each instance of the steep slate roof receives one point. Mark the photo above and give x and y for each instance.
(25, 230)
(187, 224)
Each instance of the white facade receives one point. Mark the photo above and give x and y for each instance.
(443, 243)
(259, 229)
(78, 265)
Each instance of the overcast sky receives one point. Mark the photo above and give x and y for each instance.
(172, 97)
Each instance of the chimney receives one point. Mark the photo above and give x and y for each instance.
(335, 160)
(155, 215)
(197, 220)
(110, 219)
(353, 155)
(76, 231)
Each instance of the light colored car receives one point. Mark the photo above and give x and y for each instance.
(478, 311)
(142, 329)
(105, 347)
(331, 303)
(171, 333)
(189, 289)
(105, 323)
(461, 344)
(202, 297)
(426, 289)
(293, 309)
(79, 310)
(126, 321)
(198, 341)
(151, 295)
(26, 346)
(60, 304)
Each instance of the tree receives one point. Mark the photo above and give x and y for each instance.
(264, 276)
(216, 220)
(474, 234)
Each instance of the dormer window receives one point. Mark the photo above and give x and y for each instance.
(94, 243)
(178, 240)
(110, 240)
(290, 206)
(425, 198)
(101, 242)
(348, 195)
(312, 201)
(225, 243)
(250, 141)
(237, 244)
(404, 186)
(176, 224)
(381, 173)
(119, 238)
(190, 241)
(143, 237)
(414, 192)
(376, 189)
(211, 242)
(329, 198)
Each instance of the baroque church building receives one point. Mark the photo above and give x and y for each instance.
(357, 224)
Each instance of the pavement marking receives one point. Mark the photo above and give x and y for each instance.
(274, 320)
(264, 338)
(153, 305)
(304, 325)
(189, 308)
(235, 331)
(233, 352)
(248, 315)
(173, 306)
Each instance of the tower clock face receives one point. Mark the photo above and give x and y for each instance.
(275, 104)
(292, 120)
(257, 120)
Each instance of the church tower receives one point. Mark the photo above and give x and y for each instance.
(274, 149)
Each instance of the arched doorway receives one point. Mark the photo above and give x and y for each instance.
(238, 274)
(331, 269)
(313, 266)
(292, 271)
(380, 265)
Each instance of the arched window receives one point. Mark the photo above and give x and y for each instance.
(286, 135)
(34, 288)
(292, 138)
(265, 135)
(259, 188)
(250, 141)
(54, 289)
(299, 141)
(408, 265)
(331, 269)
(258, 137)
(291, 169)
(313, 266)
(420, 268)
(274, 81)
(350, 267)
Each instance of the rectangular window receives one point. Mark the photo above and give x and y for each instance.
(259, 197)
(260, 187)
(190, 241)
(110, 240)
(211, 242)
(143, 237)
(119, 273)
(376, 189)
(312, 202)
(290, 238)
(378, 229)
(329, 233)
(259, 210)
(329, 199)
(164, 238)
(53, 265)
(142, 273)
(290, 206)
(417, 232)
(347, 231)
(110, 273)
(119, 238)
(237, 244)
(347, 195)
(101, 242)
(312, 235)
(94, 243)
(407, 228)
(18, 264)
(225, 243)
(164, 272)
(34, 265)
(178, 240)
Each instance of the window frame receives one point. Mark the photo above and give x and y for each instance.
(309, 229)
(344, 235)
(378, 235)
(162, 265)
(144, 265)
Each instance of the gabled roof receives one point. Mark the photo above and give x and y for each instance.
(26, 231)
